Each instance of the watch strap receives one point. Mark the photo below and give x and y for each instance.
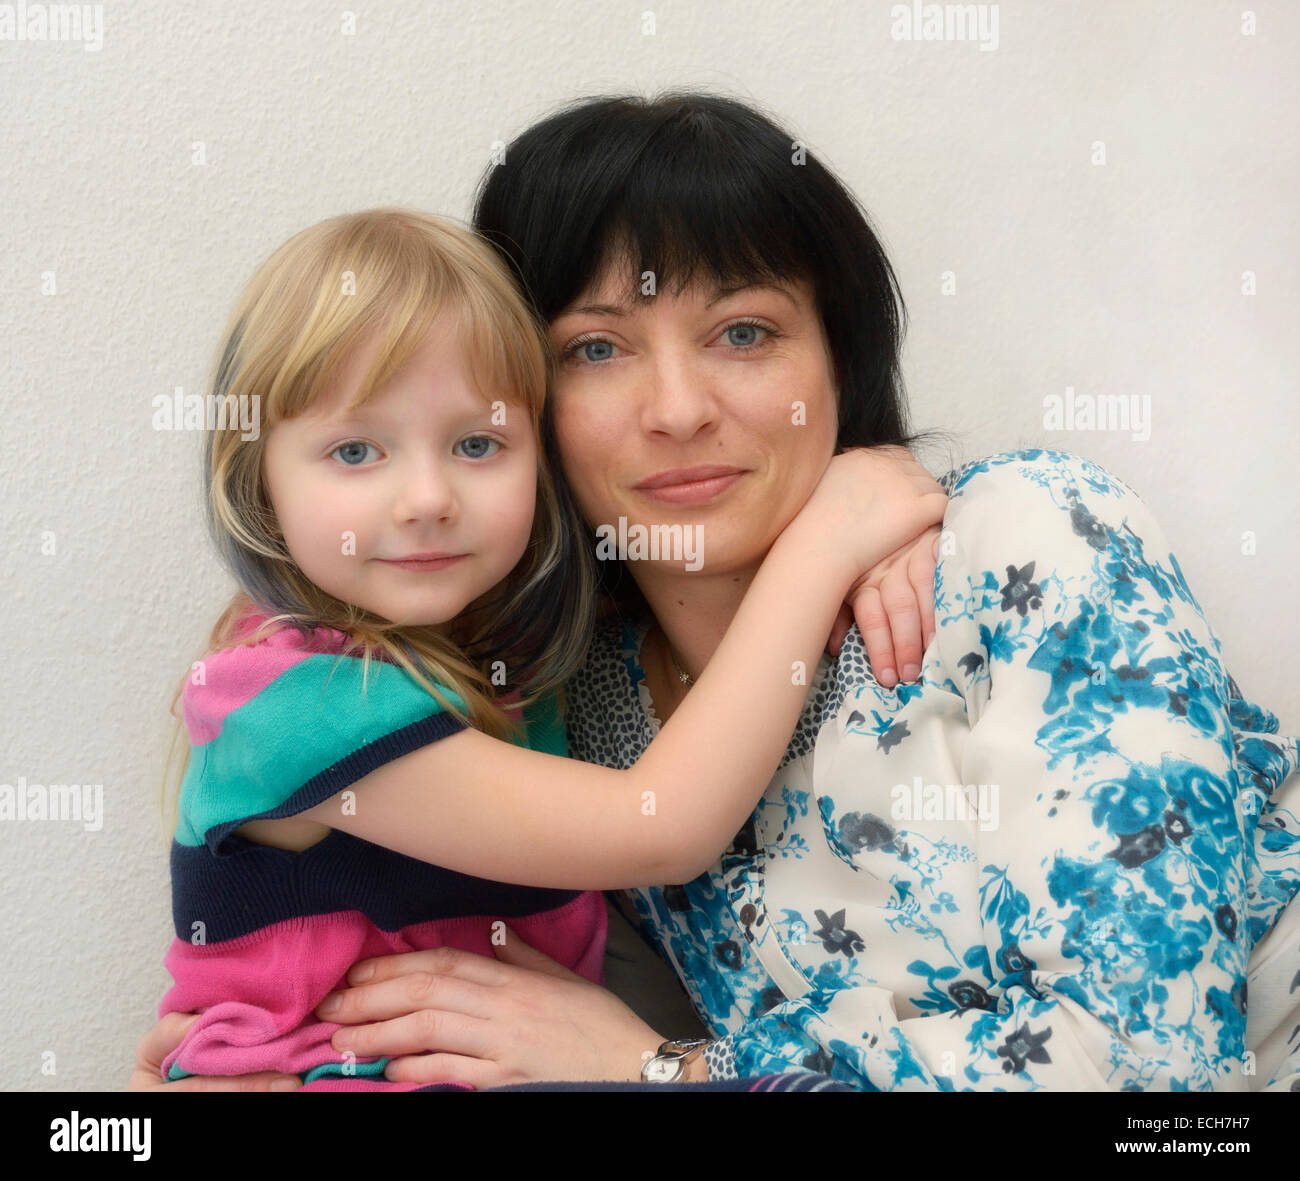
(675, 1056)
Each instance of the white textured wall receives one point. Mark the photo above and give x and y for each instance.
(1115, 279)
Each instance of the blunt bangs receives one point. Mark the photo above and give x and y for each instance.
(674, 192)
(701, 188)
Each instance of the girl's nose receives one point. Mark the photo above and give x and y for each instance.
(426, 493)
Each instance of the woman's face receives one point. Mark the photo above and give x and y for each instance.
(709, 408)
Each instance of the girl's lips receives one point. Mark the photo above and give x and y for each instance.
(692, 489)
(424, 564)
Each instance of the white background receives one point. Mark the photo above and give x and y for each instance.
(1118, 279)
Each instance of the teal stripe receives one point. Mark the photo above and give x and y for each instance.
(309, 718)
(545, 729)
(325, 1070)
(349, 1070)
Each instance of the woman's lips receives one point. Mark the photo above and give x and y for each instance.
(690, 486)
(424, 564)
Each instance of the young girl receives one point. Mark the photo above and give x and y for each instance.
(358, 781)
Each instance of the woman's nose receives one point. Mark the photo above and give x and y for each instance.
(679, 399)
(425, 492)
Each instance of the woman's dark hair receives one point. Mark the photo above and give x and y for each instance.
(698, 186)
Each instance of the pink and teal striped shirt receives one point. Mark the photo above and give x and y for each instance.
(264, 934)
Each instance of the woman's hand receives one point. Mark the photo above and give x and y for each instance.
(452, 1016)
(164, 1037)
(894, 610)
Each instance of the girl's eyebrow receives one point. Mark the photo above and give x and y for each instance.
(354, 417)
(359, 418)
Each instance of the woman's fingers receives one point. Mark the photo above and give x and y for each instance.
(479, 1073)
(418, 1033)
(524, 955)
(441, 961)
(383, 1000)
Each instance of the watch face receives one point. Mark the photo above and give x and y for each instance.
(659, 1071)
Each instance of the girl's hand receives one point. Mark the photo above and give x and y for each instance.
(454, 1016)
(164, 1037)
(876, 513)
(869, 503)
(894, 610)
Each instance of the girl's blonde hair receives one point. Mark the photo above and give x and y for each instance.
(394, 272)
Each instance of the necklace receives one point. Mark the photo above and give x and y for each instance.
(682, 675)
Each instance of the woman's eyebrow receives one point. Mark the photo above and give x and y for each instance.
(721, 293)
(725, 292)
(597, 309)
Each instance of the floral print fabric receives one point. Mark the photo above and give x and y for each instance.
(1066, 859)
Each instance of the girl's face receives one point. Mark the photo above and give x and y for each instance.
(708, 408)
(418, 502)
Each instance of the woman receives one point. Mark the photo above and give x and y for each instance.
(1056, 862)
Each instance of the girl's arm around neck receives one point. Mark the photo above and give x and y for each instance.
(483, 807)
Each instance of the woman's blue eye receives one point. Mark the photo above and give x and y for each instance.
(593, 352)
(583, 345)
(748, 331)
(353, 452)
(476, 446)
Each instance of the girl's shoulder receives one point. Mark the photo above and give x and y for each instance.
(255, 630)
(255, 654)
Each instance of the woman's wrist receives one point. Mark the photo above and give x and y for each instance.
(690, 1053)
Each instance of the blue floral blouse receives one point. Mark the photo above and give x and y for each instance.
(1066, 859)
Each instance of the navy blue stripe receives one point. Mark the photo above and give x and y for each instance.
(256, 885)
(342, 774)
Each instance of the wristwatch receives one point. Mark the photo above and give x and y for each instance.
(670, 1063)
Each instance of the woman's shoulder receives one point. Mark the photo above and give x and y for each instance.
(1039, 466)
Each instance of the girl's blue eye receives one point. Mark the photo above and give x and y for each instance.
(353, 452)
(476, 447)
